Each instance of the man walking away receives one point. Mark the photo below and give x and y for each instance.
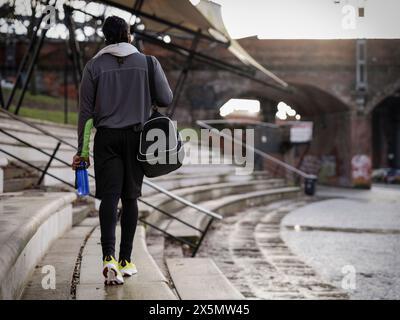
(115, 98)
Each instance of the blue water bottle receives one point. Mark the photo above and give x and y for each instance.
(82, 180)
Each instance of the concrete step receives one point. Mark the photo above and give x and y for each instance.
(179, 180)
(225, 206)
(148, 284)
(202, 193)
(60, 130)
(19, 184)
(57, 169)
(200, 279)
(32, 155)
(37, 139)
(63, 257)
(31, 221)
(17, 177)
(206, 168)
(39, 160)
(178, 175)
(169, 182)
(14, 170)
(65, 173)
(174, 182)
(42, 141)
(80, 212)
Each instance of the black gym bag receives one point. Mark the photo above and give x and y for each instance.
(159, 156)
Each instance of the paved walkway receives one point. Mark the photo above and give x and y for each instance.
(248, 248)
(354, 230)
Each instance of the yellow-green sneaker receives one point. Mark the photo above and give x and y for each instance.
(127, 268)
(111, 271)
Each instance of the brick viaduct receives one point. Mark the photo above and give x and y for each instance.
(323, 76)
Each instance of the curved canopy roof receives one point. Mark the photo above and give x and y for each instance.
(179, 12)
(212, 12)
(205, 18)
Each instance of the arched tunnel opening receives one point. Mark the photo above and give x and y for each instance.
(326, 155)
(386, 136)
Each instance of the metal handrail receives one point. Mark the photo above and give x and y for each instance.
(184, 201)
(288, 167)
(233, 121)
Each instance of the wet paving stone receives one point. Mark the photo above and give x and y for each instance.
(249, 250)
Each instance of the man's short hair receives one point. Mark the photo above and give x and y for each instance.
(115, 30)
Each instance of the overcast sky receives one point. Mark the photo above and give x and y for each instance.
(275, 19)
(313, 19)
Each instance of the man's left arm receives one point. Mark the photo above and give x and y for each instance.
(87, 96)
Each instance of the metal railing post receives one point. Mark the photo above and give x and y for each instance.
(48, 164)
(202, 237)
(2, 104)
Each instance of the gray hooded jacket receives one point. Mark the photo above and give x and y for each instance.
(115, 93)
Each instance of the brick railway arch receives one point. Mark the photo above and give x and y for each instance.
(379, 97)
(385, 117)
(310, 101)
(332, 119)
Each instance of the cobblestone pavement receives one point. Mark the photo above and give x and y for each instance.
(358, 232)
(248, 248)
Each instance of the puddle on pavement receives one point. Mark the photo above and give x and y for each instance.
(300, 228)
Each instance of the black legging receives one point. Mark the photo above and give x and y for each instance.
(108, 223)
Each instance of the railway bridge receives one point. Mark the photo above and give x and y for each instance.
(348, 88)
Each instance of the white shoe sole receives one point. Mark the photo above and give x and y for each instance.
(128, 273)
(111, 276)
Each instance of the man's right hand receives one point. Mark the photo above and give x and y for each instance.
(77, 159)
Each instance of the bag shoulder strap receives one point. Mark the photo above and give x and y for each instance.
(150, 71)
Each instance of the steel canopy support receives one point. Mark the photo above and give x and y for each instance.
(182, 77)
(138, 5)
(66, 92)
(73, 55)
(32, 64)
(22, 65)
(30, 58)
(204, 58)
(73, 45)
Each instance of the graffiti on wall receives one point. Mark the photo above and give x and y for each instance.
(327, 172)
(361, 171)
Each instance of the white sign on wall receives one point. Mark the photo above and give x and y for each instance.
(301, 131)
